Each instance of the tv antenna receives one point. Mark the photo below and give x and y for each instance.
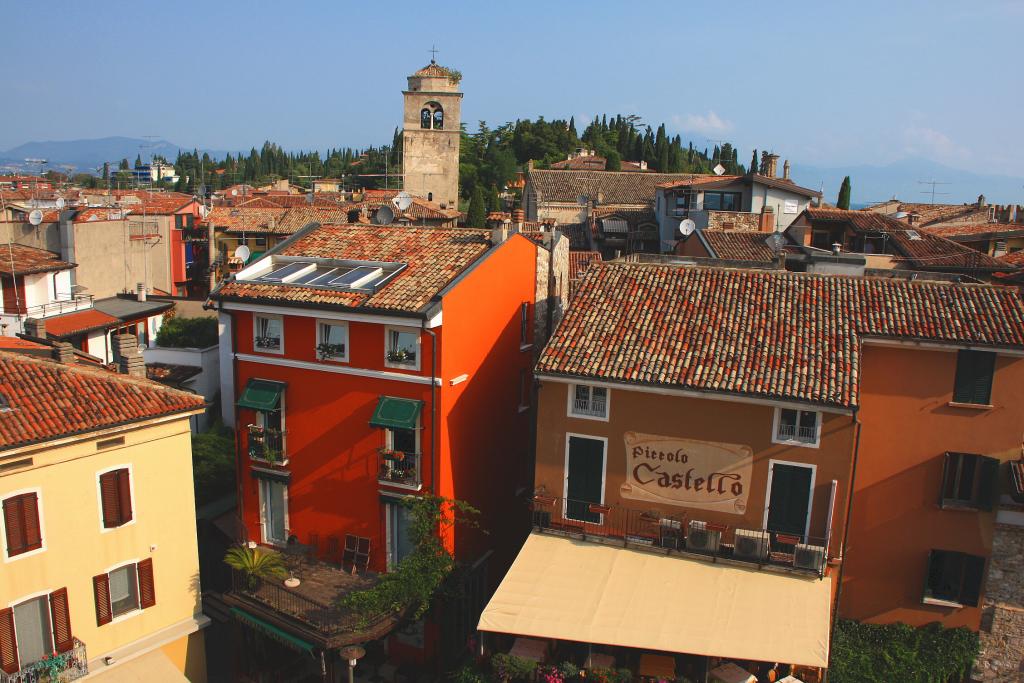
(933, 183)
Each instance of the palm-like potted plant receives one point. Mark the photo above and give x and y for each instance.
(255, 563)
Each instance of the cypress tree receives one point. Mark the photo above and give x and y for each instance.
(476, 216)
(493, 200)
(753, 162)
(844, 194)
(572, 128)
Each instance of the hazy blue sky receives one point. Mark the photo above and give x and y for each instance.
(821, 82)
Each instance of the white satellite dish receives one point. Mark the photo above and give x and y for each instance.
(402, 201)
(899, 215)
(686, 227)
(60, 203)
(242, 253)
(204, 211)
(719, 169)
(384, 216)
(234, 193)
(35, 217)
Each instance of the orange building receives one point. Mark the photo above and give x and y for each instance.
(370, 364)
(763, 450)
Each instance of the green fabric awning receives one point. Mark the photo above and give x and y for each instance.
(396, 413)
(272, 631)
(261, 394)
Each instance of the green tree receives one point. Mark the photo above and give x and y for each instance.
(493, 200)
(213, 463)
(138, 161)
(188, 333)
(844, 194)
(614, 161)
(753, 162)
(476, 216)
(123, 166)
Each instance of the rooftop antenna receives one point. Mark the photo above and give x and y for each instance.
(933, 183)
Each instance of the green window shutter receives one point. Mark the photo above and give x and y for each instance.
(396, 413)
(261, 394)
(973, 382)
(973, 576)
(988, 482)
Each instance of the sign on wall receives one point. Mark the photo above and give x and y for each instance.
(790, 206)
(686, 472)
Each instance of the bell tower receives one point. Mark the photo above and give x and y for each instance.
(430, 134)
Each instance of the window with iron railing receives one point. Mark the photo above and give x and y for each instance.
(267, 333)
(796, 426)
(266, 444)
(588, 401)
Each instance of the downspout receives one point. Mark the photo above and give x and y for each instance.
(846, 528)
(239, 484)
(435, 434)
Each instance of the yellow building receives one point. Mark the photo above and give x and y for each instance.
(99, 569)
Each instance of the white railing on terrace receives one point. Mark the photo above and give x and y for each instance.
(797, 433)
(594, 407)
(59, 306)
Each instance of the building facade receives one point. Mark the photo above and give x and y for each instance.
(431, 134)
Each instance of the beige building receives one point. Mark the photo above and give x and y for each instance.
(100, 570)
(430, 135)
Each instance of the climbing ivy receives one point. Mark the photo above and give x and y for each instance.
(870, 653)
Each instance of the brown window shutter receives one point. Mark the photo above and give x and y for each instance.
(101, 590)
(108, 495)
(62, 639)
(14, 527)
(124, 495)
(147, 589)
(30, 517)
(8, 646)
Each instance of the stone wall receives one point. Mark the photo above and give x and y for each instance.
(733, 220)
(1002, 623)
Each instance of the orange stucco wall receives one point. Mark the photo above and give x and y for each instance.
(907, 426)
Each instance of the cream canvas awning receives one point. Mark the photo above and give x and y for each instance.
(591, 593)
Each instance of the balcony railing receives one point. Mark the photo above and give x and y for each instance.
(594, 407)
(792, 432)
(76, 302)
(195, 235)
(398, 467)
(267, 343)
(266, 444)
(678, 534)
(70, 666)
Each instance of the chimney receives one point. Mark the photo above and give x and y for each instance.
(35, 327)
(912, 218)
(981, 201)
(836, 248)
(771, 166)
(63, 352)
(785, 170)
(126, 355)
(518, 219)
(140, 291)
(766, 222)
(600, 198)
(498, 235)
(529, 165)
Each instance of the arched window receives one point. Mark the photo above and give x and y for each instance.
(438, 119)
(432, 116)
(425, 117)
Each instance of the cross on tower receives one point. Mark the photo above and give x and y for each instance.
(433, 54)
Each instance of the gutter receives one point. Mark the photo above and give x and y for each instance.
(435, 433)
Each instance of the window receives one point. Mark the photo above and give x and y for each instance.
(266, 437)
(587, 401)
(973, 383)
(524, 324)
(21, 524)
(722, 201)
(584, 477)
(425, 118)
(432, 116)
(116, 497)
(274, 511)
(124, 590)
(524, 389)
(267, 334)
(402, 349)
(954, 577)
(404, 440)
(34, 628)
(399, 522)
(797, 427)
(968, 481)
(332, 341)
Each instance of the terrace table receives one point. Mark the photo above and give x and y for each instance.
(657, 666)
(529, 648)
(730, 672)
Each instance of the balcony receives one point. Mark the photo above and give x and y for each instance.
(266, 445)
(66, 304)
(195, 235)
(595, 406)
(792, 432)
(70, 666)
(398, 468)
(679, 535)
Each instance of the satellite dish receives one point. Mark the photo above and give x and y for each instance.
(900, 214)
(60, 203)
(686, 227)
(204, 211)
(242, 253)
(402, 201)
(719, 169)
(384, 216)
(35, 217)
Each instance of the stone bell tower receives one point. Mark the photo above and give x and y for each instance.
(430, 135)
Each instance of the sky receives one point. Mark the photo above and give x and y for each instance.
(822, 83)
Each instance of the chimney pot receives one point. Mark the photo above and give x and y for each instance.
(63, 352)
(35, 327)
(766, 222)
(140, 291)
(785, 170)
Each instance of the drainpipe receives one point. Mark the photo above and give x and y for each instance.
(846, 528)
(435, 434)
(239, 483)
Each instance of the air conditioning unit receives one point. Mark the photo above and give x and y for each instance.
(809, 556)
(701, 539)
(751, 545)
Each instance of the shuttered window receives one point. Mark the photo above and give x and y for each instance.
(21, 524)
(955, 577)
(124, 590)
(116, 497)
(968, 481)
(60, 615)
(33, 629)
(8, 643)
(973, 382)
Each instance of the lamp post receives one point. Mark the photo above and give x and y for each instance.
(353, 653)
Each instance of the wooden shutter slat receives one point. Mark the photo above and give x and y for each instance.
(124, 495)
(101, 592)
(108, 496)
(61, 614)
(147, 589)
(30, 518)
(8, 645)
(13, 525)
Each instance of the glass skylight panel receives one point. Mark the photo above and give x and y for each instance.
(317, 276)
(281, 273)
(357, 277)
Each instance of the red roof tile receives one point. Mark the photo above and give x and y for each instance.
(49, 400)
(739, 245)
(19, 344)
(71, 324)
(579, 261)
(769, 334)
(966, 232)
(23, 260)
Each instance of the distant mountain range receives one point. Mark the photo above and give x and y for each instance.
(870, 183)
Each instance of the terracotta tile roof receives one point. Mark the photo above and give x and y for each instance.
(635, 218)
(49, 400)
(276, 221)
(578, 234)
(769, 334)
(933, 213)
(930, 252)
(291, 201)
(582, 163)
(19, 344)
(434, 70)
(419, 210)
(70, 324)
(19, 259)
(102, 213)
(1014, 259)
(739, 245)
(434, 257)
(579, 261)
(616, 187)
(697, 179)
(259, 203)
(967, 232)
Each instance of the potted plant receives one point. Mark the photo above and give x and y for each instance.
(399, 356)
(53, 665)
(327, 351)
(255, 564)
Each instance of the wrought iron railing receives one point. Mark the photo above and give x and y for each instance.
(594, 406)
(266, 444)
(678, 533)
(75, 302)
(69, 666)
(398, 467)
(792, 432)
